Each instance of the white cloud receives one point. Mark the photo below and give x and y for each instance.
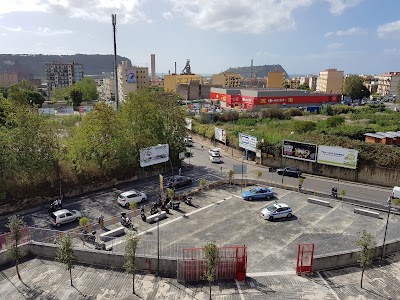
(389, 30)
(335, 45)
(253, 16)
(339, 6)
(43, 31)
(348, 32)
(168, 15)
(127, 11)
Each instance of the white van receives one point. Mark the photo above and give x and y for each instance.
(396, 192)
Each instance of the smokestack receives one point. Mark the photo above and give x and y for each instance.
(175, 68)
(251, 70)
(153, 67)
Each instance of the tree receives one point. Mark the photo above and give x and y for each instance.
(65, 253)
(60, 94)
(354, 87)
(300, 182)
(203, 183)
(76, 96)
(132, 207)
(211, 253)
(87, 86)
(15, 225)
(131, 244)
(230, 175)
(367, 244)
(259, 174)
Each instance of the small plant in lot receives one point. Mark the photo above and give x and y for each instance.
(203, 182)
(367, 244)
(65, 253)
(15, 225)
(259, 174)
(211, 253)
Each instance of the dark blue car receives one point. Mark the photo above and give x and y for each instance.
(258, 193)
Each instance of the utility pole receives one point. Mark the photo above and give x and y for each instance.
(114, 23)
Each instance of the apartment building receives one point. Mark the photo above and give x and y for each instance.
(62, 74)
(292, 83)
(387, 83)
(131, 79)
(371, 83)
(8, 78)
(108, 88)
(276, 79)
(226, 79)
(330, 81)
(172, 81)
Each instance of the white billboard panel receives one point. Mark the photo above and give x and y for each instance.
(188, 123)
(154, 155)
(247, 142)
(46, 111)
(65, 110)
(220, 134)
(337, 156)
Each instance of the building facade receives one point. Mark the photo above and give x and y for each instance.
(387, 83)
(226, 79)
(62, 74)
(250, 98)
(292, 83)
(330, 81)
(276, 79)
(108, 89)
(172, 81)
(8, 78)
(131, 79)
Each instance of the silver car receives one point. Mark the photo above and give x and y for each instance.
(63, 216)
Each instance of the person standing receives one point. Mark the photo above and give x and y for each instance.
(180, 171)
(101, 221)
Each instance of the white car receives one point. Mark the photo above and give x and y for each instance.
(63, 216)
(276, 211)
(215, 157)
(215, 151)
(126, 198)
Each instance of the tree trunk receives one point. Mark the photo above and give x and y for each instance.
(16, 267)
(133, 283)
(70, 276)
(209, 284)
(362, 275)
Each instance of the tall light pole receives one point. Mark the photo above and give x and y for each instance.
(158, 246)
(114, 23)
(389, 202)
(241, 185)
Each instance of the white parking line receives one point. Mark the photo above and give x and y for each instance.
(328, 286)
(240, 290)
(264, 274)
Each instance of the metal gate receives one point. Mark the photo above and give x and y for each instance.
(232, 264)
(305, 256)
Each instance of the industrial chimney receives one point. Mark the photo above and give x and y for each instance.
(153, 67)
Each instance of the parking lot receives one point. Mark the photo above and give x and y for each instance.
(223, 216)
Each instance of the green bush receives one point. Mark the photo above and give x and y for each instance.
(335, 121)
(327, 110)
(293, 112)
(247, 122)
(304, 126)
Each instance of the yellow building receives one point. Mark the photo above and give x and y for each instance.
(172, 81)
(276, 79)
(226, 79)
(330, 81)
(7, 79)
(292, 83)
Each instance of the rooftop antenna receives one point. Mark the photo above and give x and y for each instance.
(114, 24)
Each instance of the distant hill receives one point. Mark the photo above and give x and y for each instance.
(33, 65)
(258, 71)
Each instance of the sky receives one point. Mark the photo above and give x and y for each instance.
(304, 36)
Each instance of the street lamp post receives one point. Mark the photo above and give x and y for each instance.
(389, 202)
(241, 185)
(158, 246)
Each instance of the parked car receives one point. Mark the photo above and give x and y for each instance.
(126, 198)
(188, 141)
(63, 216)
(216, 151)
(258, 192)
(215, 157)
(276, 211)
(293, 172)
(177, 182)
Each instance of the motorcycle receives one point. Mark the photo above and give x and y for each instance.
(143, 216)
(165, 208)
(334, 193)
(174, 206)
(188, 200)
(54, 207)
(86, 237)
(154, 210)
(125, 221)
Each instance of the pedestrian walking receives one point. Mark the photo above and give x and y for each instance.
(180, 171)
(101, 221)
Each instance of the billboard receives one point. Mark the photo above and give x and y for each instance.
(337, 156)
(65, 110)
(46, 111)
(154, 155)
(247, 142)
(188, 123)
(298, 150)
(220, 134)
(131, 75)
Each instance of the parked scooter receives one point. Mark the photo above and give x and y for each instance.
(153, 209)
(188, 200)
(86, 237)
(334, 192)
(54, 207)
(125, 221)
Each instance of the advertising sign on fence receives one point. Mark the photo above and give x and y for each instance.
(298, 150)
(65, 110)
(247, 142)
(220, 135)
(46, 111)
(337, 156)
(154, 155)
(188, 123)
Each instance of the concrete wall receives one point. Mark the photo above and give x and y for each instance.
(105, 258)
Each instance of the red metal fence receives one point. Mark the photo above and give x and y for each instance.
(305, 256)
(232, 264)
